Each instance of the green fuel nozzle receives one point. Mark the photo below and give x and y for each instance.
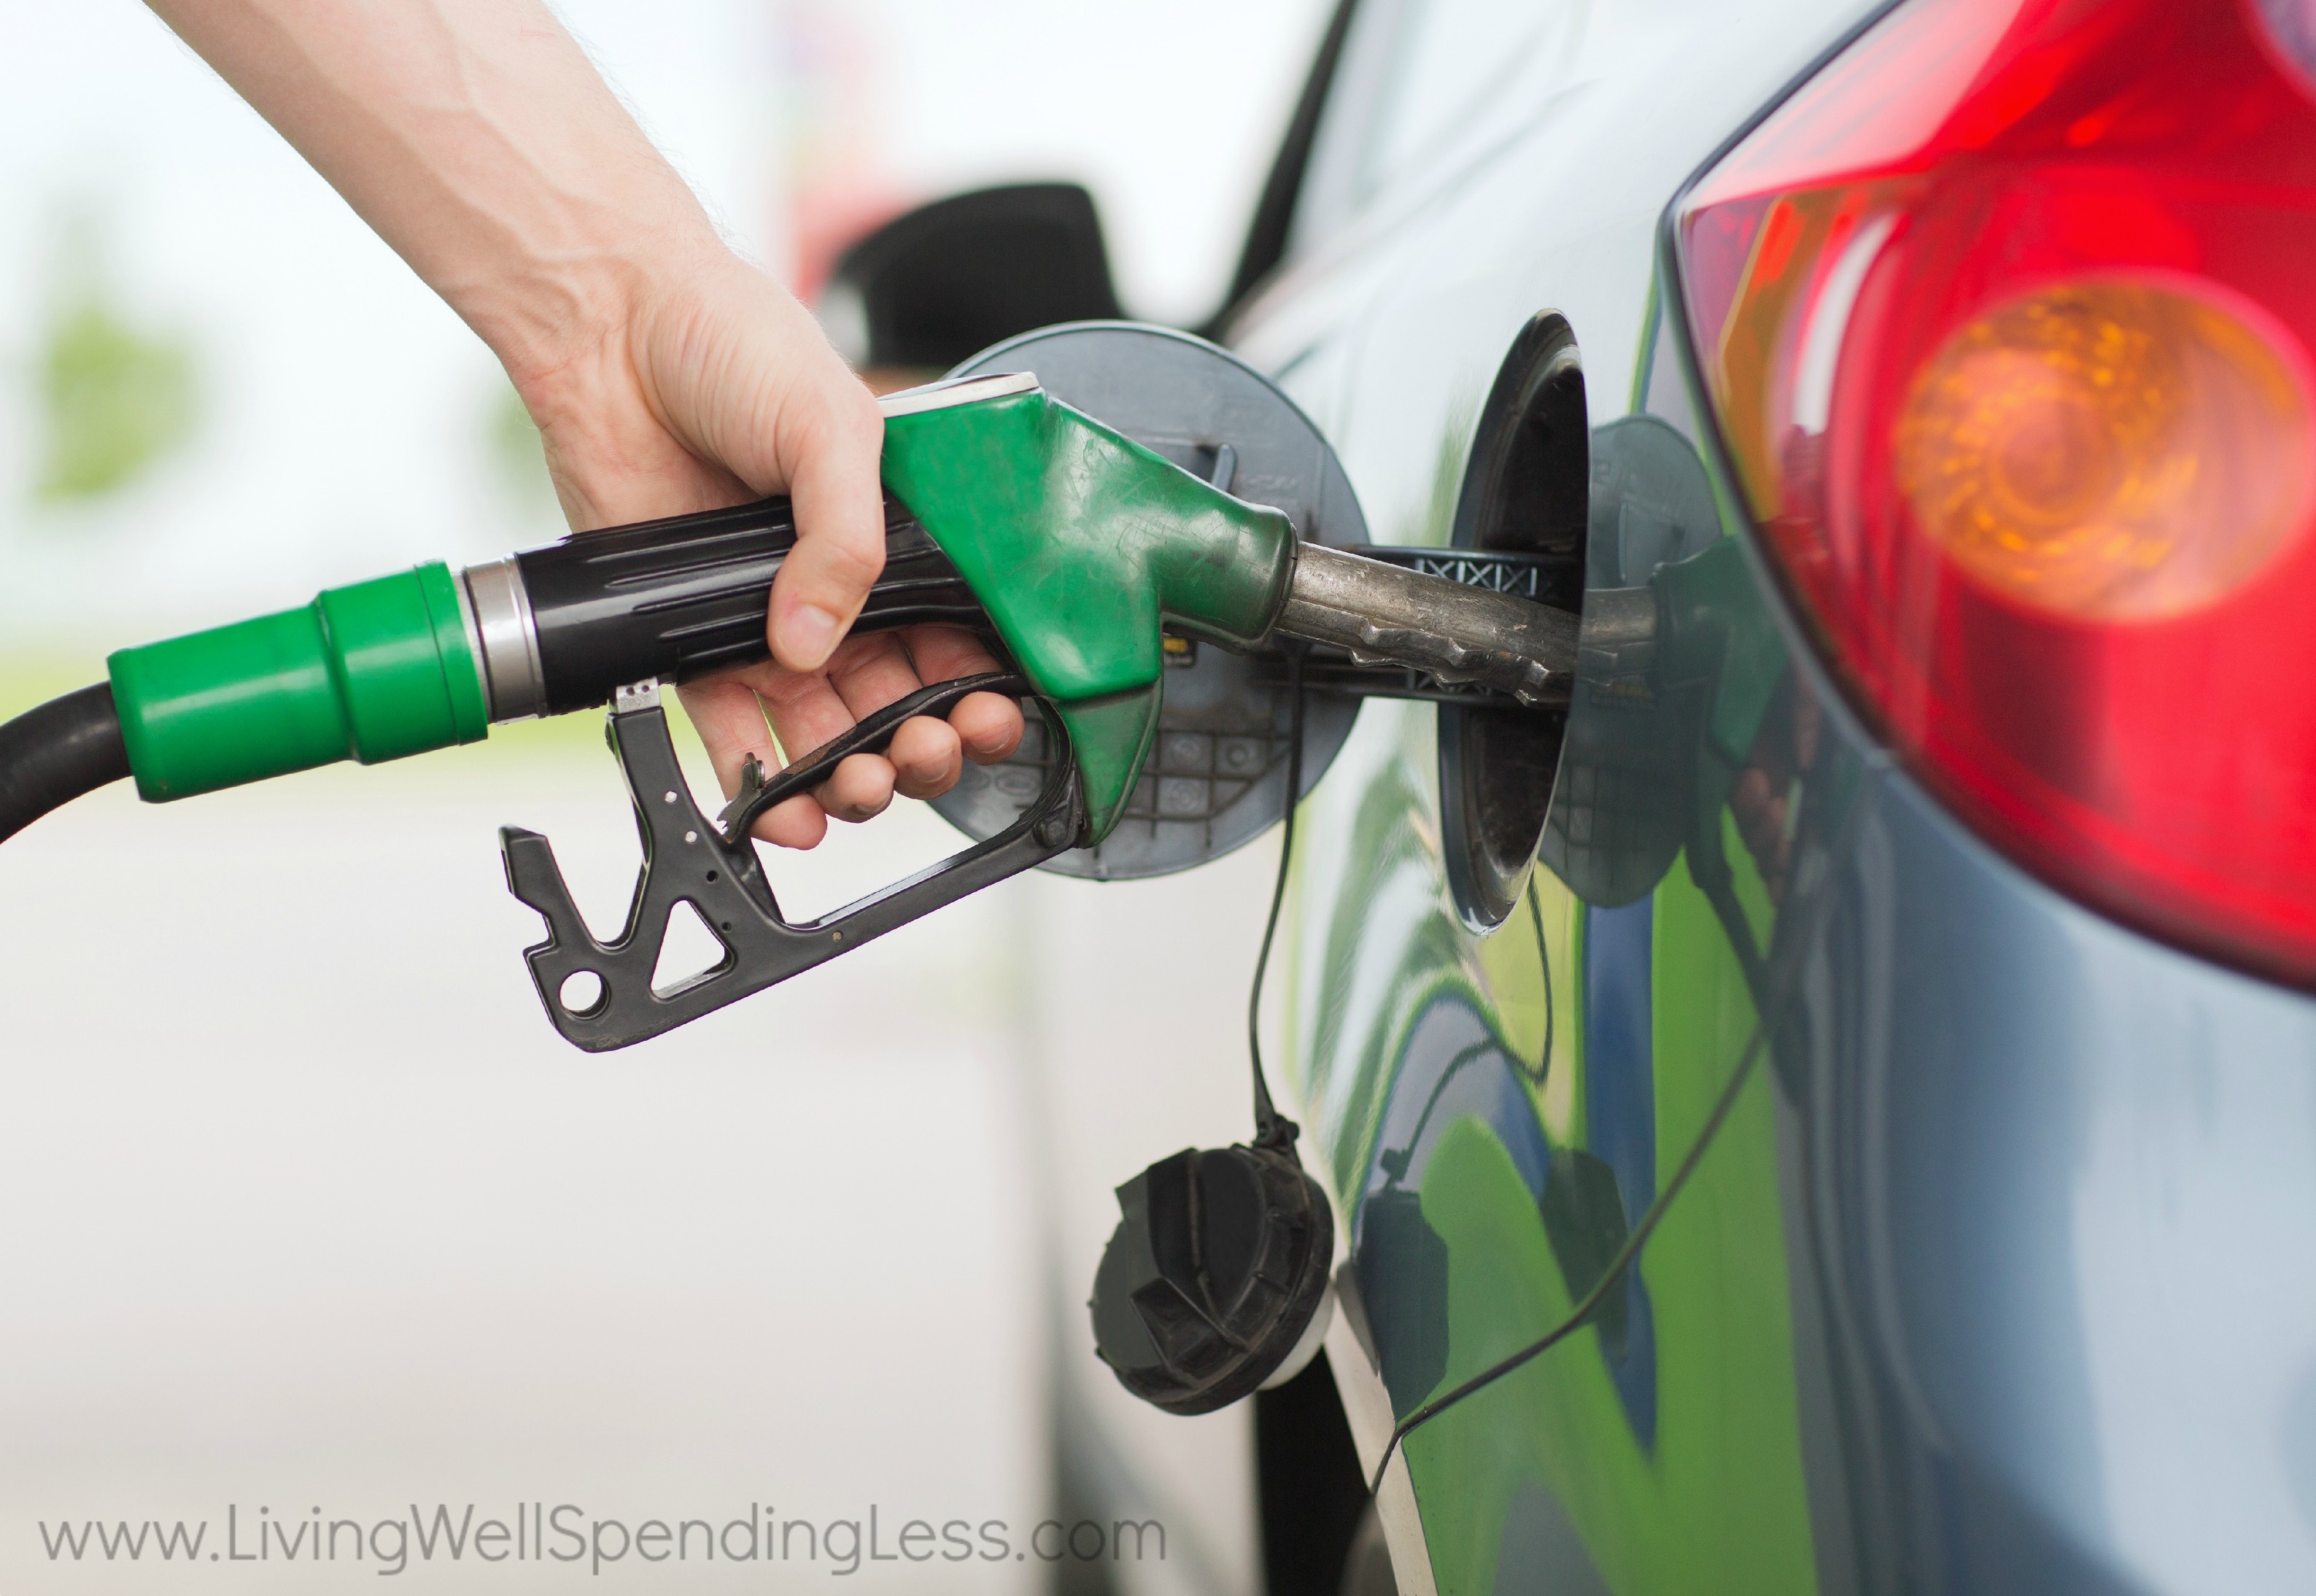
(1075, 551)
(1070, 545)
(423, 659)
(1074, 548)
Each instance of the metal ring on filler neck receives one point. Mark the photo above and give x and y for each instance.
(509, 639)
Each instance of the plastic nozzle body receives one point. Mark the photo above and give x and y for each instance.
(1085, 546)
(373, 672)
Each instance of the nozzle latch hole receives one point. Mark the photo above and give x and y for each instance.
(581, 993)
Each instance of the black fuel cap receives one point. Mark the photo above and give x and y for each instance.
(1215, 1273)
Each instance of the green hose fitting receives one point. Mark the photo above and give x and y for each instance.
(373, 672)
(1085, 546)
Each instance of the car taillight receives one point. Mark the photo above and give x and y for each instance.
(2005, 318)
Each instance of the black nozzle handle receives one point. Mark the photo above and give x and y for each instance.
(675, 599)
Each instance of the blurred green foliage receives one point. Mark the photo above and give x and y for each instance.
(115, 399)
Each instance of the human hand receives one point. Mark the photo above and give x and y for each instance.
(720, 389)
(666, 375)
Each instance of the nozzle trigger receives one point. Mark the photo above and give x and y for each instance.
(714, 868)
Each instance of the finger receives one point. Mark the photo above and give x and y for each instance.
(926, 757)
(730, 721)
(871, 672)
(943, 652)
(859, 788)
(797, 823)
(988, 724)
(806, 711)
(729, 716)
(840, 510)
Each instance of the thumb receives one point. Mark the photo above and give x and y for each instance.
(834, 483)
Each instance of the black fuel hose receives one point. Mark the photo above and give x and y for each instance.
(50, 755)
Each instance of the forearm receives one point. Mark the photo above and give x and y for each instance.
(477, 139)
(665, 374)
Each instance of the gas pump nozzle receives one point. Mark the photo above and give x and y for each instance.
(1075, 550)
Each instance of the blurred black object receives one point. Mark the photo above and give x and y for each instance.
(946, 280)
(1272, 228)
(1312, 1490)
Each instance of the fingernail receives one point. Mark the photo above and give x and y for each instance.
(810, 634)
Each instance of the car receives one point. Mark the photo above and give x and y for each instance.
(1834, 1108)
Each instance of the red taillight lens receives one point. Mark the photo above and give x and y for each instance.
(2006, 317)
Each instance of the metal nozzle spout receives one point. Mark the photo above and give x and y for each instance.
(1387, 615)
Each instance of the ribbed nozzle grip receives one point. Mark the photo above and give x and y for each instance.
(680, 598)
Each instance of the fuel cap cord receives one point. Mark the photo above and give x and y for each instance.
(1216, 1283)
(1272, 1129)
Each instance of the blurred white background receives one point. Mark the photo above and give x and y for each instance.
(301, 1202)
(343, 420)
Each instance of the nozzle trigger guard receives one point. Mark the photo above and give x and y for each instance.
(713, 866)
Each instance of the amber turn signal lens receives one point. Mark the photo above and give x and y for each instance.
(2108, 449)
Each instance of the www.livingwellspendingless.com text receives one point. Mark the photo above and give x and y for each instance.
(532, 1533)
